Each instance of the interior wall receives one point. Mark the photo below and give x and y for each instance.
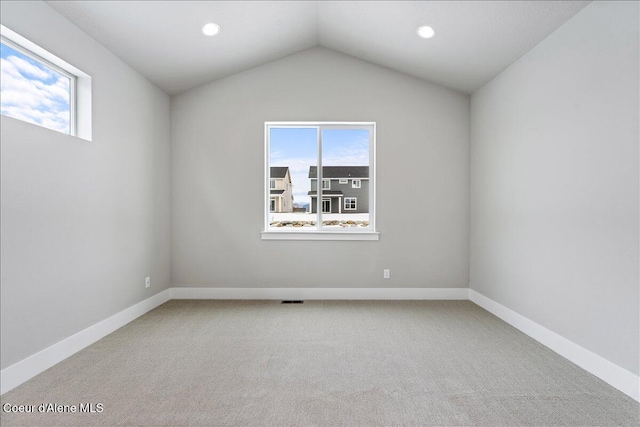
(83, 223)
(554, 183)
(218, 177)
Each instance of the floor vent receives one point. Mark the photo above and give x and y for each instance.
(292, 301)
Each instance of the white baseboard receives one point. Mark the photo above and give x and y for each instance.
(322, 293)
(607, 371)
(26, 369)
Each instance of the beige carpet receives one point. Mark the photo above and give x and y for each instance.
(360, 363)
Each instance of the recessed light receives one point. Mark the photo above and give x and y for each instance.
(210, 29)
(426, 32)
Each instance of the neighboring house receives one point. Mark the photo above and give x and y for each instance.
(280, 190)
(345, 189)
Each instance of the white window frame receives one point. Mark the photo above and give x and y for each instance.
(320, 232)
(328, 184)
(358, 185)
(355, 203)
(80, 85)
(272, 184)
(343, 181)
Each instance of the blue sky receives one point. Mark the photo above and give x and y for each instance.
(297, 149)
(32, 92)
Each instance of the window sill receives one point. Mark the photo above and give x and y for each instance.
(320, 235)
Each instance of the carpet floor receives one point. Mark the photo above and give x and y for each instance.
(323, 363)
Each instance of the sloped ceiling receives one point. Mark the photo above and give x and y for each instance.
(474, 40)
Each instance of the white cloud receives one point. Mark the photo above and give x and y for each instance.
(29, 69)
(355, 154)
(29, 94)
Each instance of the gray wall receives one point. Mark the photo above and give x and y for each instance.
(554, 183)
(218, 155)
(82, 222)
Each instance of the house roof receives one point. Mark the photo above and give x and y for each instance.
(276, 192)
(278, 171)
(329, 172)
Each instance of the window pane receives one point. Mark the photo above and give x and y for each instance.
(293, 154)
(345, 155)
(33, 92)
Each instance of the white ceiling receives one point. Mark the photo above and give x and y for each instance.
(474, 40)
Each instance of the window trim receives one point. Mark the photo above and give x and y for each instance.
(353, 183)
(328, 182)
(80, 121)
(370, 233)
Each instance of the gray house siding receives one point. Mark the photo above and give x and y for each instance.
(337, 193)
(337, 200)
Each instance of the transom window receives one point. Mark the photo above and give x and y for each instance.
(42, 89)
(332, 153)
(35, 90)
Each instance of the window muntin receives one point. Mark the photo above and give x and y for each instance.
(272, 183)
(35, 90)
(356, 183)
(345, 151)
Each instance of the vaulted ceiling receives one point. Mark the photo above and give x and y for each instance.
(474, 40)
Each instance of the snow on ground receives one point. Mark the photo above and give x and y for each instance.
(303, 216)
(356, 220)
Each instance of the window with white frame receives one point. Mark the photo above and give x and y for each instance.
(272, 183)
(42, 89)
(306, 153)
(350, 203)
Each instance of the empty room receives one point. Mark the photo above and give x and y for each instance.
(320, 213)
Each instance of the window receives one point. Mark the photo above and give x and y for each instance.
(306, 153)
(272, 205)
(42, 89)
(272, 183)
(350, 203)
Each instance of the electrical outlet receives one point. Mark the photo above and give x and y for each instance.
(387, 273)
(147, 282)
